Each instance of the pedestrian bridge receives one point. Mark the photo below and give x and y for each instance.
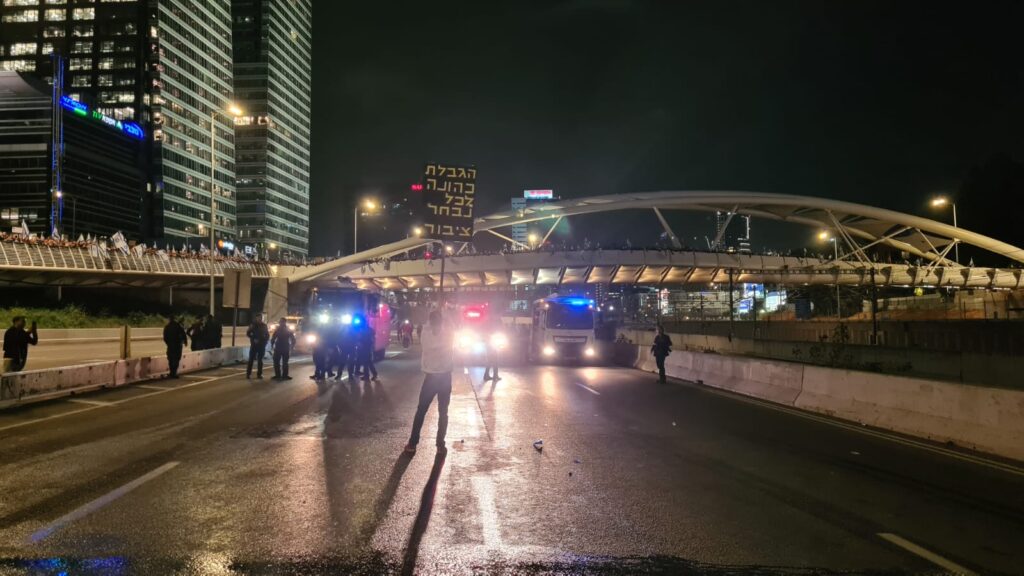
(657, 268)
(918, 250)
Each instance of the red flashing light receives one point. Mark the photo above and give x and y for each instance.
(473, 314)
(416, 187)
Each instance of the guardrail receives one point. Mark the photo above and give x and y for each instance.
(18, 388)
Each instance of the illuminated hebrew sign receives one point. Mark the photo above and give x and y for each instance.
(449, 192)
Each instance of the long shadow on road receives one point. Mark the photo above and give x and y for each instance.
(419, 527)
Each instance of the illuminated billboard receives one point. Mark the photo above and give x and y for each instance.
(538, 194)
(130, 128)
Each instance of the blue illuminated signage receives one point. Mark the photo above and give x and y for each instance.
(130, 128)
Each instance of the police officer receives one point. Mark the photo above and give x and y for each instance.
(197, 334)
(366, 351)
(16, 342)
(346, 352)
(213, 333)
(259, 335)
(281, 343)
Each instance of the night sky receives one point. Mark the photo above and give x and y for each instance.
(883, 103)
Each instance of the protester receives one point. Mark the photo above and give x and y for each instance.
(661, 348)
(213, 333)
(175, 339)
(436, 362)
(258, 335)
(282, 343)
(16, 342)
(197, 334)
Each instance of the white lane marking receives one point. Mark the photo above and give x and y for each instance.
(483, 486)
(1002, 466)
(588, 388)
(90, 402)
(45, 418)
(153, 387)
(90, 507)
(928, 555)
(192, 376)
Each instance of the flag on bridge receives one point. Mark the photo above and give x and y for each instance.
(119, 242)
(24, 229)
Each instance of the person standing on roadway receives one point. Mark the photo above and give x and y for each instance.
(366, 349)
(661, 348)
(436, 362)
(258, 335)
(16, 341)
(281, 343)
(213, 333)
(495, 339)
(196, 334)
(175, 339)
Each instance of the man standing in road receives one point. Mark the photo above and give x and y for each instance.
(175, 339)
(281, 343)
(16, 341)
(436, 363)
(258, 335)
(661, 348)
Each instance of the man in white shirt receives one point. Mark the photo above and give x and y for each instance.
(436, 362)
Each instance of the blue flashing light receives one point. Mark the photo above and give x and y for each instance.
(575, 301)
(357, 320)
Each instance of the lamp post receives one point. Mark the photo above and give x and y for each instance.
(826, 237)
(532, 239)
(940, 202)
(368, 205)
(232, 111)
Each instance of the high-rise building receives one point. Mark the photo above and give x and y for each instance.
(66, 168)
(520, 232)
(164, 64)
(732, 232)
(273, 74)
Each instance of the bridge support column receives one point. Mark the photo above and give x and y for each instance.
(275, 305)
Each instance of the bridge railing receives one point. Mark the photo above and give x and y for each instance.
(20, 255)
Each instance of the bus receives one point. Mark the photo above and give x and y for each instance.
(334, 307)
(563, 329)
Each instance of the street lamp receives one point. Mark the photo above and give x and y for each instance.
(532, 239)
(417, 231)
(824, 236)
(369, 205)
(942, 202)
(232, 111)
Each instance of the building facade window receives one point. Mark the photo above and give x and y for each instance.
(22, 16)
(55, 15)
(83, 14)
(22, 49)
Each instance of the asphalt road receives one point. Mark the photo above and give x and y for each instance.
(215, 474)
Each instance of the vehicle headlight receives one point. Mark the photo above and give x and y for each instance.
(292, 327)
(499, 341)
(465, 339)
(549, 350)
(324, 318)
(589, 352)
(311, 338)
(346, 318)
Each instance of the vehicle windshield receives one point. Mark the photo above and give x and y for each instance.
(569, 317)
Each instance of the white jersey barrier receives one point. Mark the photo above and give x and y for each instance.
(35, 385)
(976, 417)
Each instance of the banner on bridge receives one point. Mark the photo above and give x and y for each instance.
(448, 199)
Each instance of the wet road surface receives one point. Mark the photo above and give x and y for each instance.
(216, 474)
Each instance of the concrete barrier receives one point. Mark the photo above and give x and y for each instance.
(35, 385)
(72, 335)
(976, 417)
